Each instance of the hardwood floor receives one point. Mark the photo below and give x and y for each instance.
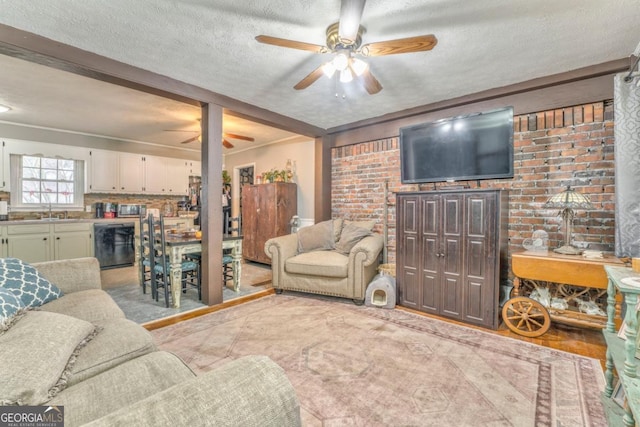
(583, 341)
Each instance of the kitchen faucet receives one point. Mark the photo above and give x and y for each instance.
(44, 207)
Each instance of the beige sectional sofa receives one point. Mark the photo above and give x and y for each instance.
(79, 351)
(335, 257)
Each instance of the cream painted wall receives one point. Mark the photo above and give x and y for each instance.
(264, 158)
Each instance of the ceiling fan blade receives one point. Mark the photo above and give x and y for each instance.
(227, 144)
(350, 16)
(408, 45)
(371, 84)
(194, 138)
(291, 44)
(236, 136)
(310, 79)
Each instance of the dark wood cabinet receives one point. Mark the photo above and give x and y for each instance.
(451, 254)
(266, 212)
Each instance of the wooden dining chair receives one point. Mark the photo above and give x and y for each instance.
(145, 251)
(161, 264)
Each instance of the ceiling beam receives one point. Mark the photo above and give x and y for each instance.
(559, 90)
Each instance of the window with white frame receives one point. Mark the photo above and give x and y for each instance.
(38, 181)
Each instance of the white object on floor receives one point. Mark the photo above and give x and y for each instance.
(381, 292)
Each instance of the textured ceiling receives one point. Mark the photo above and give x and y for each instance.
(481, 45)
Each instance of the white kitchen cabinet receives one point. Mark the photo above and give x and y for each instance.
(194, 168)
(177, 182)
(130, 173)
(164, 175)
(72, 240)
(155, 175)
(47, 242)
(30, 243)
(117, 172)
(103, 171)
(3, 242)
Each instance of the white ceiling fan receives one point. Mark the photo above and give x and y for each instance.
(344, 40)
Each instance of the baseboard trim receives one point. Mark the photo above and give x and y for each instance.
(161, 323)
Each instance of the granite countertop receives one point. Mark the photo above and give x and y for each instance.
(77, 220)
(66, 221)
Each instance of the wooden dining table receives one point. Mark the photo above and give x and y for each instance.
(180, 245)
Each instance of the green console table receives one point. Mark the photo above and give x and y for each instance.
(621, 354)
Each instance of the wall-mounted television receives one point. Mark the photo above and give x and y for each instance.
(470, 147)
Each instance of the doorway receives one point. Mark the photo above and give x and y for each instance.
(244, 175)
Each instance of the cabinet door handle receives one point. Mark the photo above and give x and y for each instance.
(44, 238)
(57, 238)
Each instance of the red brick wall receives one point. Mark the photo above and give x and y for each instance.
(552, 149)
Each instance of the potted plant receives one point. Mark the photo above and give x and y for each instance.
(274, 175)
(226, 178)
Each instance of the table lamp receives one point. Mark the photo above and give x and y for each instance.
(567, 201)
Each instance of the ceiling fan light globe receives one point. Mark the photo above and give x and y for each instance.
(341, 61)
(359, 66)
(329, 69)
(346, 76)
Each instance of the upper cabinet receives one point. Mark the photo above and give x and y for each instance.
(165, 175)
(194, 168)
(130, 173)
(103, 171)
(115, 172)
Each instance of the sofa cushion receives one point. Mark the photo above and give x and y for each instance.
(350, 236)
(317, 237)
(121, 386)
(364, 224)
(118, 341)
(26, 282)
(325, 263)
(93, 305)
(337, 228)
(10, 307)
(37, 354)
(250, 391)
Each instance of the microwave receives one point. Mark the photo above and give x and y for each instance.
(129, 211)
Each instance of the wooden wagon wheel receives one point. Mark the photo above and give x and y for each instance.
(526, 317)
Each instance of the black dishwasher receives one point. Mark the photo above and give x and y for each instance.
(115, 244)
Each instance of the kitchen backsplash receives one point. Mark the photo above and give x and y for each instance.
(156, 202)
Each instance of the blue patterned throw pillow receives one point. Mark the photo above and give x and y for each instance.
(26, 282)
(10, 304)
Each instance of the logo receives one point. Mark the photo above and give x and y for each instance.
(31, 416)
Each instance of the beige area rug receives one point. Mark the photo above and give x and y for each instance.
(366, 366)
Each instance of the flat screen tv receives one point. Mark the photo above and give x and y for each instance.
(471, 147)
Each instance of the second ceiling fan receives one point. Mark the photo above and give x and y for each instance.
(225, 139)
(344, 39)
